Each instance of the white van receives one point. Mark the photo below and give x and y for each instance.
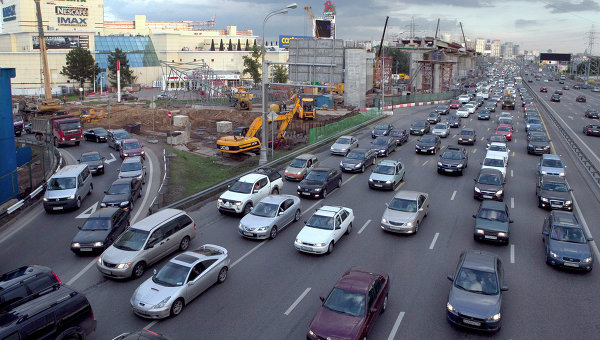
(68, 187)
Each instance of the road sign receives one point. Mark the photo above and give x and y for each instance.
(169, 115)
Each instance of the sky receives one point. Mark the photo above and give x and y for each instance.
(562, 26)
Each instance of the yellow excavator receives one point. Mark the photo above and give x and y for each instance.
(244, 138)
(48, 105)
(243, 99)
(305, 107)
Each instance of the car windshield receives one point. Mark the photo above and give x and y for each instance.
(568, 234)
(384, 169)
(381, 127)
(100, 132)
(467, 132)
(418, 124)
(346, 302)
(503, 128)
(495, 162)
(61, 183)
(489, 179)
(121, 135)
(433, 115)
(265, 210)
(427, 139)
(90, 157)
(440, 126)
(380, 141)
(298, 163)
(69, 126)
(536, 128)
(401, 204)
(593, 111)
(96, 224)
(355, 155)
(477, 281)
(317, 176)
(241, 187)
(469, 106)
(534, 121)
(131, 146)
(395, 133)
(492, 215)
(343, 140)
(118, 189)
(552, 163)
(171, 275)
(131, 239)
(441, 108)
(131, 166)
(320, 222)
(501, 148)
(555, 186)
(452, 155)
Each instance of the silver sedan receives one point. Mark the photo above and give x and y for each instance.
(405, 212)
(181, 280)
(270, 215)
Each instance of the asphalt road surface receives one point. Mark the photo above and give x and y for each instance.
(272, 291)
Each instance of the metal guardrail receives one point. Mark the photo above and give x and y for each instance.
(190, 200)
(583, 158)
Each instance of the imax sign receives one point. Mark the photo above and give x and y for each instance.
(72, 21)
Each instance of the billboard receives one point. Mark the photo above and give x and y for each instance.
(9, 13)
(562, 57)
(62, 42)
(323, 28)
(284, 40)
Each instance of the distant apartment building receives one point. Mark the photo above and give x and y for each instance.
(495, 48)
(480, 45)
(507, 49)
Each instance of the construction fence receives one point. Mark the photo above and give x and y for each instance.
(416, 98)
(319, 133)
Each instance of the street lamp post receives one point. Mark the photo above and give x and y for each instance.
(263, 147)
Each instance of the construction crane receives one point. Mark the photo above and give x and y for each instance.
(379, 51)
(48, 104)
(311, 19)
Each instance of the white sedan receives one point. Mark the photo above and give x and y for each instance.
(462, 112)
(470, 107)
(494, 162)
(324, 229)
(498, 149)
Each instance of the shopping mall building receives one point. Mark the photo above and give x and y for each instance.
(148, 44)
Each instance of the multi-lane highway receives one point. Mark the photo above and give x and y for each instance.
(272, 291)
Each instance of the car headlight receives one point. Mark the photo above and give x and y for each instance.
(143, 152)
(410, 224)
(101, 166)
(75, 245)
(45, 199)
(383, 220)
(450, 308)
(123, 265)
(320, 244)
(562, 173)
(459, 138)
(238, 203)
(240, 226)
(546, 147)
(331, 148)
(219, 200)
(311, 333)
(102, 205)
(125, 155)
(72, 197)
(544, 172)
(501, 234)
(124, 203)
(495, 317)
(262, 229)
(162, 304)
(299, 173)
(431, 147)
(477, 189)
(373, 132)
(98, 244)
(499, 192)
(553, 254)
(459, 166)
(480, 231)
(358, 165)
(440, 164)
(544, 199)
(530, 146)
(341, 163)
(388, 182)
(587, 260)
(299, 188)
(370, 180)
(99, 260)
(422, 130)
(139, 177)
(298, 241)
(568, 202)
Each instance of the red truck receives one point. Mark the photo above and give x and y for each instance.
(59, 129)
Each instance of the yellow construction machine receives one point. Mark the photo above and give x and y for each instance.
(305, 107)
(243, 99)
(49, 104)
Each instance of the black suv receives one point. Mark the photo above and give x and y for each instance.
(489, 184)
(24, 284)
(453, 160)
(442, 109)
(553, 192)
(60, 314)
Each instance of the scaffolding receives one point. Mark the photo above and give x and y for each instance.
(194, 81)
(433, 81)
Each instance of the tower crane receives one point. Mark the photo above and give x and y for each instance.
(48, 104)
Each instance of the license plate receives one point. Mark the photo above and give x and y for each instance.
(57, 208)
(471, 322)
(491, 237)
(556, 205)
(487, 196)
(247, 234)
(305, 248)
(85, 249)
(348, 169)
(306, 193)
(571, 265)
(378, 185)
(448, 170)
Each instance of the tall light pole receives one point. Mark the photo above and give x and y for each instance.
(263, 146)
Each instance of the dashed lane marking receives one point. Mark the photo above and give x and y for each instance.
(289, 310)
(364, 226)
(433, 241)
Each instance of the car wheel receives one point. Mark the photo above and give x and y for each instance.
(138, 270)
(184, 244)
(247, 208)
(324, 193)
(91, 188)
(402, 178)
(349, 230)
(177, 307)
(384, 307)
(384, 155)
(330, 248)
(77, 142)
(273, 232)
(55, 142)
(339, 183)
(275, 191)
(140, 193)
(297, 215)
(78, 203)
(417, 227)
(222, 275)
(362, 168)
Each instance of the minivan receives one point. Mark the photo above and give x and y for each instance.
(146, 242)
(60, 314)
(25, 283)
(68, 187)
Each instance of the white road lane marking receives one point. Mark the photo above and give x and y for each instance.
(87, 212)
(112, 159)
(364, 226)
(512, 202)
(427, 161)
(433, 241)
(453, 195)
(587, 230)
(248, 253)
(349, 179)
(148, 191)
(148, 326)
(396, 326)
(81, 272)
(511, 173)
(512, 253)
(289, 310)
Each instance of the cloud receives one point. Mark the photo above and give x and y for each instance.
(455, 3)
(525, 23)
(568, 6)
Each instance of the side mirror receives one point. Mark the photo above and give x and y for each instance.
(545, 233)
(590, 239)
(504, 288)
(373, 310)
(79, 161)
(451, 278)
(475, 179)
(338, 228)
(79, 227)
(105, 191)
(154, 271)
(322, 298)
(144, 167)
(118, 170)
(474, 216)
(149, 246)
(570, 189)
(190, 283)
(510, 221)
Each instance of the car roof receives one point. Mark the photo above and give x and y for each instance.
(306, 156)
(135, 159)
(356, 280)
(130, 140)
(479, 260)
(123, 181)
(328, 210)
(550, 156)
(277, 199)
(558, 214)
(90, 153)
(408, 194)
(151, 221)
(104, 212)
(70, 170)
(388, 162)
(19, 274)
(252, 177)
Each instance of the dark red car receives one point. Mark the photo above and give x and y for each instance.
(581, 99)
(352, 307)
(130, 148)
(543, 89)
(455, 104)
(506, 130)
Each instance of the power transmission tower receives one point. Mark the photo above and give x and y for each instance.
(589, 55)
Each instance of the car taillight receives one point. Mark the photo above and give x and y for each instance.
(57, 279)
(194, 226)
(589, 130)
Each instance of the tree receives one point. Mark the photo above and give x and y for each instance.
(80, 66)
(400, 60)
(280, 74)
(127, 77)
(252, 64)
